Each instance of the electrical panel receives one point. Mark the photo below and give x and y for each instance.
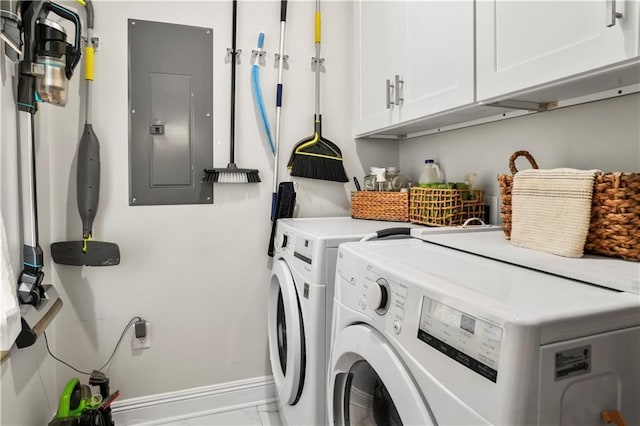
(170, 113)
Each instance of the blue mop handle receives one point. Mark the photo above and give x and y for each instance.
(255, 81)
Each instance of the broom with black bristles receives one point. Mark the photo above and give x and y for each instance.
(232, 174)
(316, 157)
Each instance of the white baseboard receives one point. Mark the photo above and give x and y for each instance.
(155, 409)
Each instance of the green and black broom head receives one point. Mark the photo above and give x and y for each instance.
(317, 157)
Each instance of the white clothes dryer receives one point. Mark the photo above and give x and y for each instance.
(425, 334)
(299, 309)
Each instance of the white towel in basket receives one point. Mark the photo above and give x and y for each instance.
(551, 210)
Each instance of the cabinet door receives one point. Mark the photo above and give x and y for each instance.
(440, 57)
(522, 44)
(378, 57)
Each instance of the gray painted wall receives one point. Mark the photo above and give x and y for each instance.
(603, 135)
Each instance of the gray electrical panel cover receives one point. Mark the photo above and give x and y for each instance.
(170, 113)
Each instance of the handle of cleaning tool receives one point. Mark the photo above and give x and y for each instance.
(73, 53)
(318, 26)
(257, 93)
(318, 60)
(88, 179)
(283, 10)
(89, 55)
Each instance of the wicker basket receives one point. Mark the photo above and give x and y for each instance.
(392, 206)
(615, 216)
(506, 182)
(445, 207)
(614, 229)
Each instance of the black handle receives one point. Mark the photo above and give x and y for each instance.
(283, 10)
(388, 232)
(74, 52)
(232, 129)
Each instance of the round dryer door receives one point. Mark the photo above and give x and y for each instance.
(286, 334)
(369, 384)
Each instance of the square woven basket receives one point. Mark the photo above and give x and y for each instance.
(614, 228)
(445, 207)
(392, 206)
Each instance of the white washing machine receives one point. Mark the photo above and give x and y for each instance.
(426, 334)
(299, 315)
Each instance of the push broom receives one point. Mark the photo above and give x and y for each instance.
(316, 157)
(231, 173)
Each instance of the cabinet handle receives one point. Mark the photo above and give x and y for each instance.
(612, 15)
(399, 82)
(389, 88)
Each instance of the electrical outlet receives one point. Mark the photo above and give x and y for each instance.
(141, 335)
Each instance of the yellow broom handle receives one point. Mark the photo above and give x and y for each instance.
(317, 26)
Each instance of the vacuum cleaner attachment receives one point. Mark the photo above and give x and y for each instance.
(78, 407)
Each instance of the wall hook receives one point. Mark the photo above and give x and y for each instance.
(285, 61)
(237, 54)
(261, 54)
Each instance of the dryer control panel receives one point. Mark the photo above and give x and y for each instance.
(471, 341)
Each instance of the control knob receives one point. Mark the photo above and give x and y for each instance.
(378, 296)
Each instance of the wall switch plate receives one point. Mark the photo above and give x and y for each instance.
(141, 335)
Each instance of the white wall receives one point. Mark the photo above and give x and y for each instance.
(604, 135)
(199, 274)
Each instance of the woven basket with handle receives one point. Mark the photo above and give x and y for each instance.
(506, 183)
(614, 228)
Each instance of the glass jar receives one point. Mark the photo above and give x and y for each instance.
(370, 180)
(395, 180)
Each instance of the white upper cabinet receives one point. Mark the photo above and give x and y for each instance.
(413, 59)
(525, 44)
(378, 58)
(426, 66)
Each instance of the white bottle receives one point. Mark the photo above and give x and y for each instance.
(431, 173)
(381, 178)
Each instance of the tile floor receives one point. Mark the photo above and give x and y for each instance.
(261, 415)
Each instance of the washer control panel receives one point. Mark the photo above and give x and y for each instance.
(303, 249)
(384, 296)
(295, 244)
